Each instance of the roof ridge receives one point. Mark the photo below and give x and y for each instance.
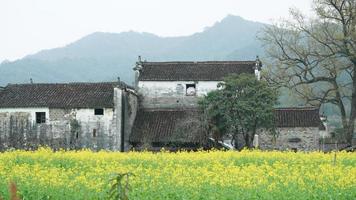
(193, 71)
(198, 62)
(59, 95)
(66, 83)
(297, 108)
(167, 109)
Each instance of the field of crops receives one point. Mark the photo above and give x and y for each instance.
(44, 174)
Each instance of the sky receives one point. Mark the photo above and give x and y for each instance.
(28, 26)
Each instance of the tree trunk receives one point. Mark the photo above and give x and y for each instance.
(249, 140)
(344, 121)
(236, 142)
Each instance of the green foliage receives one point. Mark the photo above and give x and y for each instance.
(243, 105)
(120, 187)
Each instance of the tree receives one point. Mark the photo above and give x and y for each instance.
(316, 57)
(242, 106)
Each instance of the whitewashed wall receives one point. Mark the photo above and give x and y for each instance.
(172, 93)
(87, 115)
(167, 88)
(31, 111)
(82, 114)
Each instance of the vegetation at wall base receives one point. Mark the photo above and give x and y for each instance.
(249, 174)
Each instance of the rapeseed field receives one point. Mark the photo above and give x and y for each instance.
(44, 174)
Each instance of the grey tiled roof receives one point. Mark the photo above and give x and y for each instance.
(59, 95)
(159, 125)
(298, 117)
(195, 71)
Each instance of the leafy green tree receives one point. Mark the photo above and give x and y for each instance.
(242, 106)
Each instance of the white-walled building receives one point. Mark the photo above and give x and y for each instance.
(168, 114)
(169, 92)
(178, 84)
(66, 115)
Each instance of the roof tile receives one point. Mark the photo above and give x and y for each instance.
(194, 71)
(63, 95)
(297, 117)
(159, 125)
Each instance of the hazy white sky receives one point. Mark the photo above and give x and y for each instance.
(27, 26)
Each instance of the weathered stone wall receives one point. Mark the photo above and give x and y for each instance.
(117, 118)
(299, 138)
(130, 111)
(59, 114)
(172, 94)
(125, 109)
(17, 130)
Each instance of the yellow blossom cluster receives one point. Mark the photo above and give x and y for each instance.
(44, 174)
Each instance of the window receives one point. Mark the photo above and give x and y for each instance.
(190, 89)
(98, 111)
(40, 117)
(294, 140)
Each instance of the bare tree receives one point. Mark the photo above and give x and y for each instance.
(316, 56)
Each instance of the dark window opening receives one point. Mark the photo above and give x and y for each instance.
(98, 111)
(190, 89)
(40, 117)
(294, 140)
(76, 135)
(94, 132)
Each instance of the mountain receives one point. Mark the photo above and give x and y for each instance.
(106, 56)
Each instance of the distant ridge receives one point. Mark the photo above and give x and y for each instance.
(105, 56)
